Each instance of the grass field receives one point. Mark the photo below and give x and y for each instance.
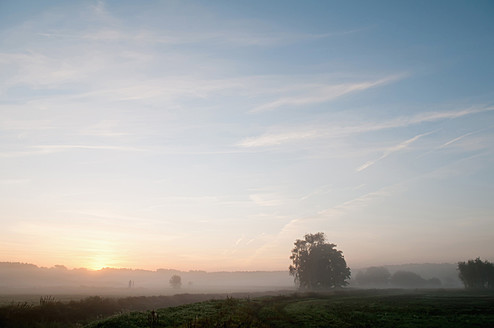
(344, 308)
(385, 308)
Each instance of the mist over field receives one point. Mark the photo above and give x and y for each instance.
(20, 281)
(17, 278)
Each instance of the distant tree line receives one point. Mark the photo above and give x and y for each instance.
(317, 264)
(380, 277)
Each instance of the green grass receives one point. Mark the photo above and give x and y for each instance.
(385, 308)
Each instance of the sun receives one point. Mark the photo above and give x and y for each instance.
(99, 262)
(99, 254)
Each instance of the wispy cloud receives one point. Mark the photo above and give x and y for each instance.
(446, 144)
(233, 37)
(266, 199)
(360, 201)
(245, 33)
(277, 139)
(405, 121)
(49, 149)
(338, 130)
(476, 144)
(104, 129)
(41, 69)
(403, 145)
(321, 190)
(435, 116)
(323, 93)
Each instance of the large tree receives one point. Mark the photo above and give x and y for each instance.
(476, 274)
(318, 264)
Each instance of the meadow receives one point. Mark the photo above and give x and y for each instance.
(343, 308)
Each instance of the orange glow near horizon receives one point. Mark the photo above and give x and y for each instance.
(98, 263)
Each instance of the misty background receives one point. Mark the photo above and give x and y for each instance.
(17, 279)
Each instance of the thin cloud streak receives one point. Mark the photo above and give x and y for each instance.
(337, 131)
(324, 93)
(234, 38)
(278, 139)
(55, 148)
(50, 149)
(392, 150)
(111, 29)
(452, 141)
(435, 116)
(360, 201)
(234, 35)
(455, 140)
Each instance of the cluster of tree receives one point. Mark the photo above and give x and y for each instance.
(380, 277)
(476, 274)
(318, 264)
(407, 279)
(376, 277)
(446, 272)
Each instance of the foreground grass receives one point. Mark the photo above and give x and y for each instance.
(55, 313)
(387, 308)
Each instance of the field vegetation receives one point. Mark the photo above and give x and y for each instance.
(338, 308)
(52, 312)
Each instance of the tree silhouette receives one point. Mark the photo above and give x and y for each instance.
(407, 279)
(176, 281)
(476, 274)
(317, 264)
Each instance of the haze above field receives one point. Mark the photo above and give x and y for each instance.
(33, 281)
(211, 135)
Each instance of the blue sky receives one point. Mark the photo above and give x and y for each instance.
(211, 135)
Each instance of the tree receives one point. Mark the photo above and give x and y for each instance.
(476, 274)
(434, 282)
(176, 281)
(407, 279)
(317, 264)
(374, 277)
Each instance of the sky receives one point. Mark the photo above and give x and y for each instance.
(210, 135)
